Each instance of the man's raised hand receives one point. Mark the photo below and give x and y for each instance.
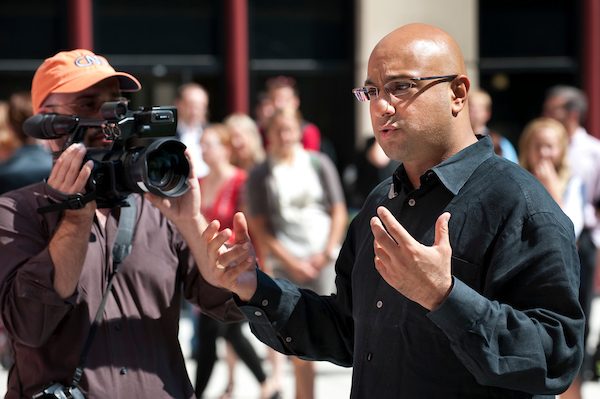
(420, 273)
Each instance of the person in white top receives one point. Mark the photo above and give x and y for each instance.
(192, 117)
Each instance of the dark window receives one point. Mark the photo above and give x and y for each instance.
(301, 29)
(313, 42)
(525, 47)
(32, 28)
(182, 27)
(526, 28)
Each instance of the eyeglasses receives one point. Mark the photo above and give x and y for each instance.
(87, 106)
(396, 88)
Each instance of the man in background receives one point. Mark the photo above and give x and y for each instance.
(480, 112)
(283, 93)
(192, 117)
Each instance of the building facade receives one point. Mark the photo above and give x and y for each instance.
(515, 49)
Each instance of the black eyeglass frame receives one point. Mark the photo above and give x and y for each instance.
(362, 93)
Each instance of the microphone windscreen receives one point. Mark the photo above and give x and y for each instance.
(50, 126)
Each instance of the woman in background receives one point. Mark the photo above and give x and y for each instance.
(246, 143)
(297, 217)
(247, 152)
(543, 152)
(221, 191)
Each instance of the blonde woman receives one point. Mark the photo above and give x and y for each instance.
(221, 192)
(246, 143)
(543, 147)
(543, 152)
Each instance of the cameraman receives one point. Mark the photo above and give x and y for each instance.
(55, 266)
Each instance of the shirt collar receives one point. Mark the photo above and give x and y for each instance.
(579, 133)
(454, 172)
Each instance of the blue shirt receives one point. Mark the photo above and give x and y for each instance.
(30, 164)
(511, 326)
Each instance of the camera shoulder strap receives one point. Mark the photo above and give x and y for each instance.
(121, 249)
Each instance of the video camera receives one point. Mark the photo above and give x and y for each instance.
(140, 158)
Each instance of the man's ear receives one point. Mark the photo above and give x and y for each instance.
(460, 91)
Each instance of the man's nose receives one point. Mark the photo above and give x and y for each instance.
(381, 107)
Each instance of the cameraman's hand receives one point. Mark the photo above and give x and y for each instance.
(184, 209)
(68, 246)
(230, 267)
(69, 177)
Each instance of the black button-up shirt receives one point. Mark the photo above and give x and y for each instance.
(511, 326)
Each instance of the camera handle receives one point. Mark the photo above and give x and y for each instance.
(120, 250)
(74, 201)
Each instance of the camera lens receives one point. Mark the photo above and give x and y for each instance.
(161, 167)
(166, 168)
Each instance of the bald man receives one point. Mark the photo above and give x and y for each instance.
(458, 279)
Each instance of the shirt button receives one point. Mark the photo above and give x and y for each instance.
(258, 313)
(411, 202)
(369, 356)
(123, 371)
(264, 302)
(379, 304)
(288, 339)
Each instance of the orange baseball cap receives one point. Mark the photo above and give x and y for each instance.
(73, 71)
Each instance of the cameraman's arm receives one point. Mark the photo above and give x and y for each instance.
(68, 248)
(69, 243)
(42, 254)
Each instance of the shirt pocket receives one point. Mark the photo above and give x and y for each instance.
(467, 272)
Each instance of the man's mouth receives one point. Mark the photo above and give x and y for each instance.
(387, 129)
(96, 138)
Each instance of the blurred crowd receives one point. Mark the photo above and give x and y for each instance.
(272, 166)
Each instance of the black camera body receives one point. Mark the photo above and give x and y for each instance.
(142, 157)
(59, 391)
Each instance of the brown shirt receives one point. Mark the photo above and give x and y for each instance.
(136, 352)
